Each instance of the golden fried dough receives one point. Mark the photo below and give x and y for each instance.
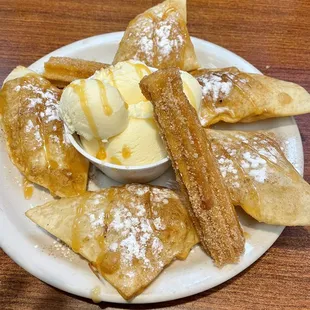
(232, 96)
(36, 139)
(129, 233)
(195, 166)
(61, 71)
(259, 177)
(159, 38)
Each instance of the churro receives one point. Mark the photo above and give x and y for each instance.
(195, 166)
(61, 71)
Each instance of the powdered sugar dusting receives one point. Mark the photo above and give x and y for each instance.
(45, 98)
(270, 153)
(42, 95)
(50, 113)
(157, 246)
(42, 107)
(161, 195)
(214, 87)
(257, 166)
(37, 135)
(253, 160)
(60, 249)
(158, 37)
(253, 156)
(141, 210)
(113, 247)
(29, 126)
(17, 88)
(259, 174)
(137, 234)
(140, 191)
(146, 45)
(96, 219)
(158, 224)
(226, 166)
(166, 39)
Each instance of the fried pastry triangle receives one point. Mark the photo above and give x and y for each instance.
(232, 96)
(195, 166)
(259, 177)
(35, 136)
(159, 38)
(128, 233)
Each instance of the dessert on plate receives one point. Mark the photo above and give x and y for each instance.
(136, 112)
(35, 136)
(232, 96)
(129, 234)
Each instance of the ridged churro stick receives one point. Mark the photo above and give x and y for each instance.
(197, 173)
(61, 71)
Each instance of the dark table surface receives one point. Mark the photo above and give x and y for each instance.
(272, 35)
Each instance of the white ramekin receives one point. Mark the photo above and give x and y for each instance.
(123, 174)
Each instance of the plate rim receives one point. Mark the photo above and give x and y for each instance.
(11, 252)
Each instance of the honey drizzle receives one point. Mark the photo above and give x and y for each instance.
(80, 91)
(80, 210)
(104, 99)
(168, 11)
(101, 153)
(2, 103)
(111, 77)
(114, 160)
(51, 164)
(126, 152)
(150, 16)
(107, 262)
(246, 235)
(239, 89)
(101, 242)
(190, 94)
(95, 294)
(140, 68)
(28, 188)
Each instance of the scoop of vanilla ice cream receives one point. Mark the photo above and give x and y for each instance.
(93, 109)
(139, 144)
(126, 76)
(18, 72)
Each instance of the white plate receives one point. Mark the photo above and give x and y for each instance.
(41, 255)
